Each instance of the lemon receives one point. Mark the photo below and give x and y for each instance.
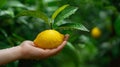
(49, 39)
(96, 32)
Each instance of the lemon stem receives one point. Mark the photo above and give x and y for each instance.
(51, 24)
(51, 27)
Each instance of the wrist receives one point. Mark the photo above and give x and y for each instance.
(18, 52)
(10, 54)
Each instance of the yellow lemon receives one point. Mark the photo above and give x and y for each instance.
(96, 32)
(49, 39)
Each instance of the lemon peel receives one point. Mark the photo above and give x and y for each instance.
(49, 39)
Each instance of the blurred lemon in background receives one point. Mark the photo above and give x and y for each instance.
(96, 32)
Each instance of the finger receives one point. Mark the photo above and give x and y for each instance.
(66, 37)
(27, 42)
(63, 43)
(59, 48)
(32, 45)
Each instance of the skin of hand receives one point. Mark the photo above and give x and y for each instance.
(30, 52)
(27, 50)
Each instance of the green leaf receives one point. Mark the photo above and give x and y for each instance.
(77, 26)
(58, 11)
(117, 25)
(66, 13)
(9, 12)
(37, 14)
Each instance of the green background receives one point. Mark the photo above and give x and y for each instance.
(82, 50)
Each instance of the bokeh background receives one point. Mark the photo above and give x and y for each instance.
(82, 49)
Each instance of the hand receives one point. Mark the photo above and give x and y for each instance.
(29, 51)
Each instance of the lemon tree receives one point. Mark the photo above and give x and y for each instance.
(52, 38)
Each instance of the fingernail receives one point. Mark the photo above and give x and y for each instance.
(67, 35)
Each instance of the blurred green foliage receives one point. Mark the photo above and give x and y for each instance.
(82, 50)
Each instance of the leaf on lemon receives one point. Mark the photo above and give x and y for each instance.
(77, 26)
(66, 13)
(58, 11)
(37, 14)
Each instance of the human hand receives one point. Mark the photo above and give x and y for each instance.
(29, 51)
